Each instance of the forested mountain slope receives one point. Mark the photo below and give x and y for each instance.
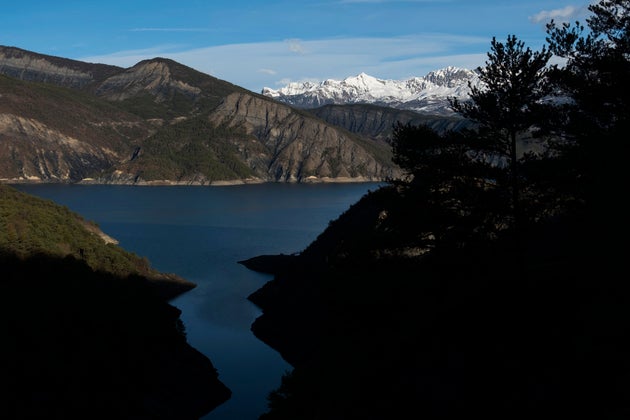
(161, 122)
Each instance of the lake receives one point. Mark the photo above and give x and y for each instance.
(200, 233)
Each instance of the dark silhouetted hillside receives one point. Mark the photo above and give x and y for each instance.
(85, 325)
(82, 344)
(376, 329)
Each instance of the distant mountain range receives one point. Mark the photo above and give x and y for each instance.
(160, 122)
(428, 94)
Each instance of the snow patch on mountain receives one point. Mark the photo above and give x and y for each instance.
(428, 94)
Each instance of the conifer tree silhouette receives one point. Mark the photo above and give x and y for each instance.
(507, 103)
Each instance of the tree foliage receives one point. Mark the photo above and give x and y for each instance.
(508, 103)
(592, 125)
(476, 176)
(597, 66)
(596, 75)
(482, 327)
(30, 226)
(190, 149)
(572, 113)
(513, 82)
(453, 183)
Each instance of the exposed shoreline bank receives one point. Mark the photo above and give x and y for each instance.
(171, 183)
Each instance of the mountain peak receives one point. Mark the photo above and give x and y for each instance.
(166, 63)
(361, 76)
(159, 60)
(167, 80)
(450, 76)
(152, 64)
(163, 122)
(152, 76)
(429, 93)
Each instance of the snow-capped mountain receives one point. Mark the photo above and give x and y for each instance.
(428, 94)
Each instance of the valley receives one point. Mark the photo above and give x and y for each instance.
(162, 123)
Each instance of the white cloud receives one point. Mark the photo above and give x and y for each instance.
(392, 1)
(169, 30)
(250, 65)
(295, 45)
(564, 14)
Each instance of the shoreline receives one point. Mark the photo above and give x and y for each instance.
(171, 183)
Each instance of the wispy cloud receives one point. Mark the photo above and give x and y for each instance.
(392, 1)
(129, 57)
(564, 14)
(250, 64)
(169, 30)
(296, 46)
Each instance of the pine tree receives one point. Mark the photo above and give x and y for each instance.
(507, 103)
(595, 77)
(595, 121)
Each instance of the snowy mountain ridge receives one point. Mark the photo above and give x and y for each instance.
(428, 94)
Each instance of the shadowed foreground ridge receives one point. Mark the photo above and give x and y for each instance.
(84, 344)
(487, 283)
(486, 329)
(32, 225)
(85, 325)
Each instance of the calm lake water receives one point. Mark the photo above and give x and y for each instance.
(200, 233)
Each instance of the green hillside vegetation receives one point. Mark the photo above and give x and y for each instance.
(86, 327)
(150, 123)
(30, 225)
(177, 104)
(145, 106)
(191, 148)
(72, 112)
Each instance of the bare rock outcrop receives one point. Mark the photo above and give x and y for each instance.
(290, 145)
(29, 66)
(160, 122)
(32, 151)
(152, 77)
(377, 122)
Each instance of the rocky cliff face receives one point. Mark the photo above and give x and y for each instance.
(32, 151)
(377, 122)
(287, 145)
(26, 65)
(50, 134)
(162, 122)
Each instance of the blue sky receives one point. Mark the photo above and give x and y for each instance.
(270, 43)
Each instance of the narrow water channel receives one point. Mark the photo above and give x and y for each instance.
(200, 233)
